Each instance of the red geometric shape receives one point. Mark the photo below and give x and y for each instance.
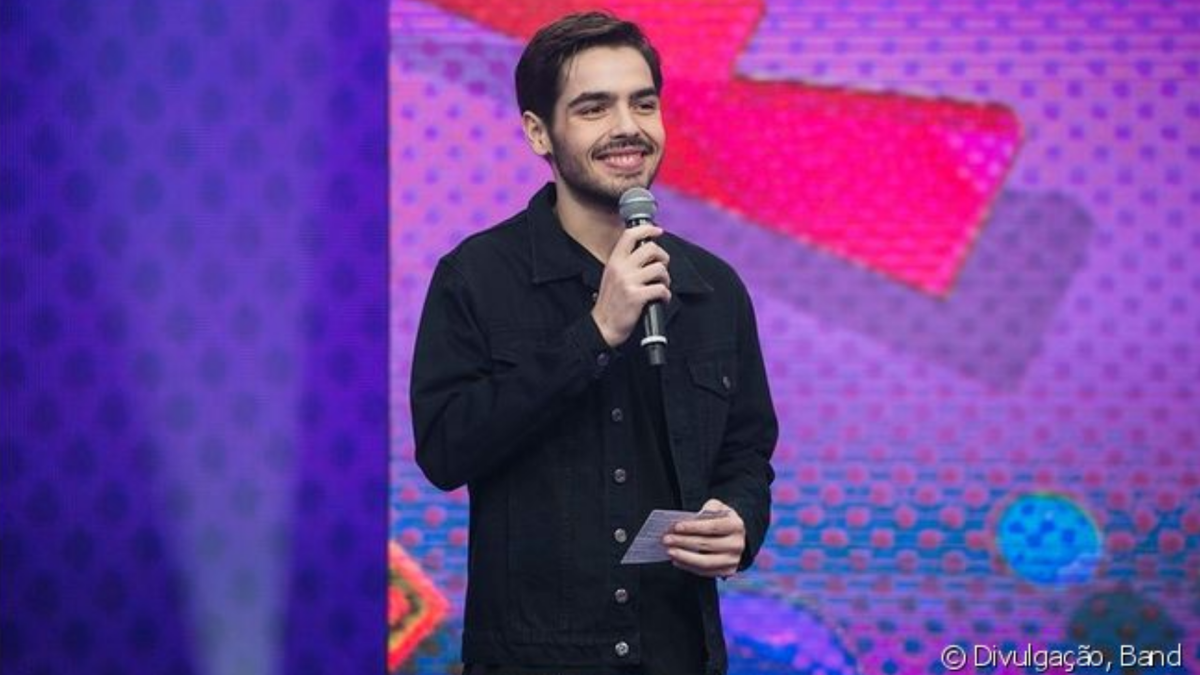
(896, 183)
(415, 607)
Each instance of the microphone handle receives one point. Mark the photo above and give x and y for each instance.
(654, 339)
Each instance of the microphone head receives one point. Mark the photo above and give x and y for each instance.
(637, 204)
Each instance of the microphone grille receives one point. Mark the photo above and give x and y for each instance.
(638, 204)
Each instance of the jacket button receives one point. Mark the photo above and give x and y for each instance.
(595, 297)
(619, 476)
(602, 359)
(620, 535)
(726, 382)
(617, 415)
(621, 648)
(621, 596)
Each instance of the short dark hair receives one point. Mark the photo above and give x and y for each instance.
(540, 71)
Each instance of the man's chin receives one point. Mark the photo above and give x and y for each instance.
(641, 179)
(606, 191)
(619, 189)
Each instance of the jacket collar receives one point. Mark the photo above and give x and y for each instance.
(554, 258)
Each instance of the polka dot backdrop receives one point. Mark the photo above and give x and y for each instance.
(194, 331)
(1007, 463)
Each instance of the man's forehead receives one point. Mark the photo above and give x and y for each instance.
(616, 70)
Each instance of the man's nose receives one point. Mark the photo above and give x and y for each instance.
(626, 123)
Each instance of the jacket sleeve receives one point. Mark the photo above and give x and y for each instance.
(471, 413)
(742, 476)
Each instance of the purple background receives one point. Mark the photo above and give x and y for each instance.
(193, 274)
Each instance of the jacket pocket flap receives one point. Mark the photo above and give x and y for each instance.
(718, 375)
(510, 346)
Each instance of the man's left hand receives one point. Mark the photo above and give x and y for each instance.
(709, 548)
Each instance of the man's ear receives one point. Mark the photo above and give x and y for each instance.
(537, 134)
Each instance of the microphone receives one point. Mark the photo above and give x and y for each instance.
(638, 207)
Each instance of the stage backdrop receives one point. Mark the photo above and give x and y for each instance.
(969, 230)
(193, 337)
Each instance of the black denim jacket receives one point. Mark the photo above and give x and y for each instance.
(510, 396)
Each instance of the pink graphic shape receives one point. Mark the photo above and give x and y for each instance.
(895, 183)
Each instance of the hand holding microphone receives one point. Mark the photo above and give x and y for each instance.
(635, 278)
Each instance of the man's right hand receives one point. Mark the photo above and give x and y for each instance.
(633, 276)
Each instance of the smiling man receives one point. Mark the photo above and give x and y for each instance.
(529, 386)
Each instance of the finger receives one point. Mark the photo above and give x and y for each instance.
(728, 544)
(706, 561)
(652, 293)
(648, 253)
(701, 563)
(695, 570)
(656, 273)
(630, 238)
(713, 527)
(714, 505)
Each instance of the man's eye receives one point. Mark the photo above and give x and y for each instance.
(591, 110)
(648, 106)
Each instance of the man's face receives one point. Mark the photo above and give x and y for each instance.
(607, 134)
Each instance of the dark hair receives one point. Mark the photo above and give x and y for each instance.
(540, 71)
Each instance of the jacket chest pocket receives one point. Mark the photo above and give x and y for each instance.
(511, 346)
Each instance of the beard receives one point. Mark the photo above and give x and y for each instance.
(591, 187)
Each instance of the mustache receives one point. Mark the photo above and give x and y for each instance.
(634, 144)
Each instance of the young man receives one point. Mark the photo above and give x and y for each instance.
(529, 386)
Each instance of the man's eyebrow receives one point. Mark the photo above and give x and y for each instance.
(590, 97)
(605, 97)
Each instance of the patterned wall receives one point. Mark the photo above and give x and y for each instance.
(193, 286)
(991, 440)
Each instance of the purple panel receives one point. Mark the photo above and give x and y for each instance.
(194, 337)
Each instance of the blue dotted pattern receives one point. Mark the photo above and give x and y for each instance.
(193, 287)
(1049, 539)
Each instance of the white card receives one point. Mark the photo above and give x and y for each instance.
(647, 546)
